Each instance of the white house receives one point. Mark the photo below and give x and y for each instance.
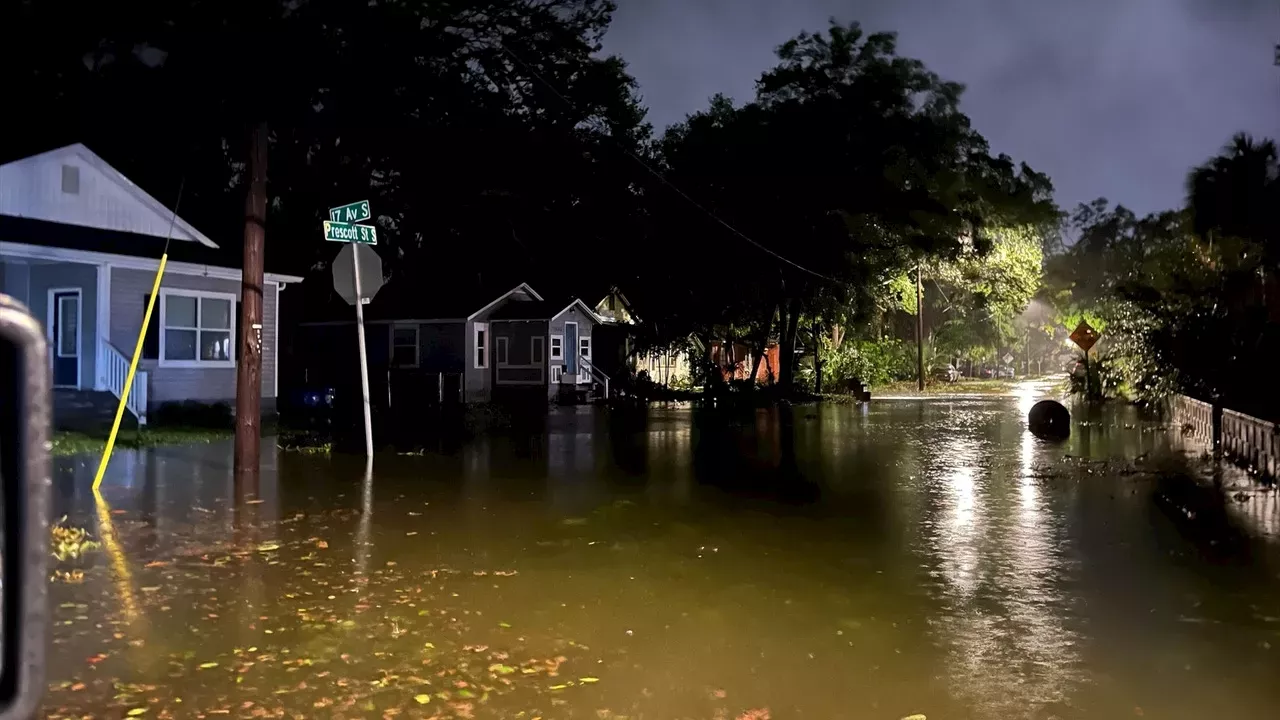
(80, 244)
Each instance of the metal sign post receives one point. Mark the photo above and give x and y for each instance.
(1085, 337)
(364, 358)
(358, 239)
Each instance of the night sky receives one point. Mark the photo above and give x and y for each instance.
(1114, 98)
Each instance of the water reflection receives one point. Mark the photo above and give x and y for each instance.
(861, 562)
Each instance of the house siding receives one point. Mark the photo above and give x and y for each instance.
(44, 276)
(556, 327)
(442, 347)
(15, 281)
(32, 188)
(477, 382)
(129, 289)
(519, 337)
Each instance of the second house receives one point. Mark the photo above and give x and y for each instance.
(474, 347)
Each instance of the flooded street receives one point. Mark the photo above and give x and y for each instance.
(906, 557)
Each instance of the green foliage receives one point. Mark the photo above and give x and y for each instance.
(872, 362)
(915, 183)
(1183, 297)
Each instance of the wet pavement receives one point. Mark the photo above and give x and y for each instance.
(907, 557)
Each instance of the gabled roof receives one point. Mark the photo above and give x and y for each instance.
(522, 286)
(118, 197)
(411, 298)
(541, 310)
(578, 303)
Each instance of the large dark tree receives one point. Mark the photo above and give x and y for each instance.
(486, 133)
(851, 165)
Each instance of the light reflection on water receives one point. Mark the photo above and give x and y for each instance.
(861, 562)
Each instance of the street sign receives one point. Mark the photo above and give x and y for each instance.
(353, 213)
(350, 233)
(344, 273)
(1008, 358)
(1084, 336)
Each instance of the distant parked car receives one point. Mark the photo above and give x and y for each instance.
(946, 373)
(1006, 372)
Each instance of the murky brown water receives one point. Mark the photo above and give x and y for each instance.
(835, 562)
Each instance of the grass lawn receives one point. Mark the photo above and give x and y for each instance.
(76, 443)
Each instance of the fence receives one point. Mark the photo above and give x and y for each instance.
(1243, 438)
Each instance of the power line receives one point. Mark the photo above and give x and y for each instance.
(662, 178)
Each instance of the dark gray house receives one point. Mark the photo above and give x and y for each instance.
(428, 346)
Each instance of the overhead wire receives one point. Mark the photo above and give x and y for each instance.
(663, 179)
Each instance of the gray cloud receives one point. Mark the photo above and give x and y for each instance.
(1114, 98)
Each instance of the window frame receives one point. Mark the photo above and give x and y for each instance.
(502, 350)
(417, 345)
(200, 296)
(537, 350)
(557, 347)
(584, 347)
(480, 347)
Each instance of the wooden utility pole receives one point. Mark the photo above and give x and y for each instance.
(920, 327)
(249, 366)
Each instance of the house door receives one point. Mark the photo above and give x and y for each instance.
(65, 337)
(571, 347)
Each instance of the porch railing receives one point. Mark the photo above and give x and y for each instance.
(114, 368)
(599, 376)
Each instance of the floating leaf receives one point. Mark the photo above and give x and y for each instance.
(504, 625)
(557, 687)
(422, 699)
(268, 546)
(137, 711)
(206, 666)
(589, 680)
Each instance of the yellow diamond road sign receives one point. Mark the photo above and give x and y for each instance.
(1084, 336)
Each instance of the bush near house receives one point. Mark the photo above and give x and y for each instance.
(194, 414)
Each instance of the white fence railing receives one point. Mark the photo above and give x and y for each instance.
(114, 368)
(1244, 438)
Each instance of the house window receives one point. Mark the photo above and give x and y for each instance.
(71, 179)
(404, 346)
(502, 350)
(556, 371)
(584, 347)
(536, 348)
(482, 345)
(557, 347)
(196, 328)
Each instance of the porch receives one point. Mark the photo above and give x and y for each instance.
(72, 300)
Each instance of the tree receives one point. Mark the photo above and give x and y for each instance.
(478, 129)
(851, 165)
(1237, 194)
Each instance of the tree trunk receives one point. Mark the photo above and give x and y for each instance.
(761, 342)
(248, 439)
(920, 328)
(790, 324)
(817, 358)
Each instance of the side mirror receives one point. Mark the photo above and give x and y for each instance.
(24, 518)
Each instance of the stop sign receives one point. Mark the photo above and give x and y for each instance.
(344, 273)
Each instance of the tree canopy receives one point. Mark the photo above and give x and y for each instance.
(490, 123)
(851, 165)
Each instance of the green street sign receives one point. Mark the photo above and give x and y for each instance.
(350, 233)
(353, 213)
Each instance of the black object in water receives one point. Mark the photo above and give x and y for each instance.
(1049, 419)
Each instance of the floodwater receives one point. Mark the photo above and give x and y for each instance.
(907, 557)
